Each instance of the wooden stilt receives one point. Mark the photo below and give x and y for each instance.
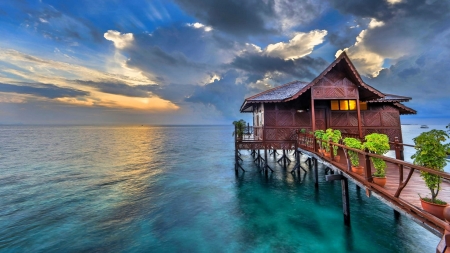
(284, 159)
(316, 173)
(345, 196)
(266, 167)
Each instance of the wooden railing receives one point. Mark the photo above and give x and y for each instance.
(310, 143)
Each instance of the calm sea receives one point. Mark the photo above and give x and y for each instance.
(173, 189)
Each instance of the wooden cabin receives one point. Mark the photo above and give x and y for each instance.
(338, 98)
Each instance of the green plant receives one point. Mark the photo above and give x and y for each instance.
(335, 136)
(318, 134)
(431, 153)
(239, 128)
(325, 138)
(302, 130)
(378, 144)
(356, 144)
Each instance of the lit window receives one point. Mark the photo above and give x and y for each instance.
(335, 105)
(343, 105)
(347, 105)
(352, 105)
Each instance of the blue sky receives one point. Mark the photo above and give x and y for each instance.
(194, 61)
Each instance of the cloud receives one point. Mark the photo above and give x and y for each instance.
(180, 54)
(226, 95)
(300, 45)
(120, 40)
(200, 25)
(234, 17)
(117, 88)
(409, 30)
(305, 68)
(42, 90)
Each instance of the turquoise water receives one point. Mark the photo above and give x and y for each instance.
(174, 189)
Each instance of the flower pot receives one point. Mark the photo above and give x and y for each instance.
(358, 170)
(327, 154)
(381, 181)
(435, 209)
(337, 158)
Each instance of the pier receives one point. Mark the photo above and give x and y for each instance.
(401, 191)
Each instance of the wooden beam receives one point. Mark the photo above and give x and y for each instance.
(359, 118)
(313, 115)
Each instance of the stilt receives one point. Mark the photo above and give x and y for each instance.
(297, 165)
(316, 173)
(266, 167)
(345, 197)
(273, 152)
(258, 159)
(237, 165)
(284, 159)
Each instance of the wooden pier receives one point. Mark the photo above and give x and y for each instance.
(401, 191)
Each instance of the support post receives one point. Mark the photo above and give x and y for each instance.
(265, 158)
(367, 169)
(316, 174)
(399, 157)
(313, 114)
(345, 197)
(358, 109)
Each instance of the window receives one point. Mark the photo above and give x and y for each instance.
(347, 105)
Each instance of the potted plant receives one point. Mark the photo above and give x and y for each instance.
(432, 153)
(377, 144)
(239, 128)
(353, 155)
(318, 134)
(326, 146)
(335, 136)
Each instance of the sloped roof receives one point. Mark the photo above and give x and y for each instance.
(361, 84)
(293, 90)
(391, 98)
(279, 93)
(404, 109)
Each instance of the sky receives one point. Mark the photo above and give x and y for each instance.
(195, 61)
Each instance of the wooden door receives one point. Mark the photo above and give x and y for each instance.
(321, 118)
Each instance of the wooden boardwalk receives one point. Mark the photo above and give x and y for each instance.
(408, 201)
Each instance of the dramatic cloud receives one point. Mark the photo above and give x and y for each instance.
(253, 17)
(119, 88)
(42, 90)
(120, 40)
(199, 59)
(305, 68)
(226, 95)
(300, 45)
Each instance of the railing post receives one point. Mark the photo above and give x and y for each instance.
(367, 169)
(445, 241)
(331, 149)
(314, 144)
(398, 156)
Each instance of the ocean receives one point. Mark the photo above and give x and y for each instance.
(174, 189)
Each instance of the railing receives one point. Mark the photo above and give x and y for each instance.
(393, 194)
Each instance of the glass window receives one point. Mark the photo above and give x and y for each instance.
(335, 105)
(347, 105)
(352, 105)
(343, 105)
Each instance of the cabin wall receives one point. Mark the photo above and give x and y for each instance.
(282, 120)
